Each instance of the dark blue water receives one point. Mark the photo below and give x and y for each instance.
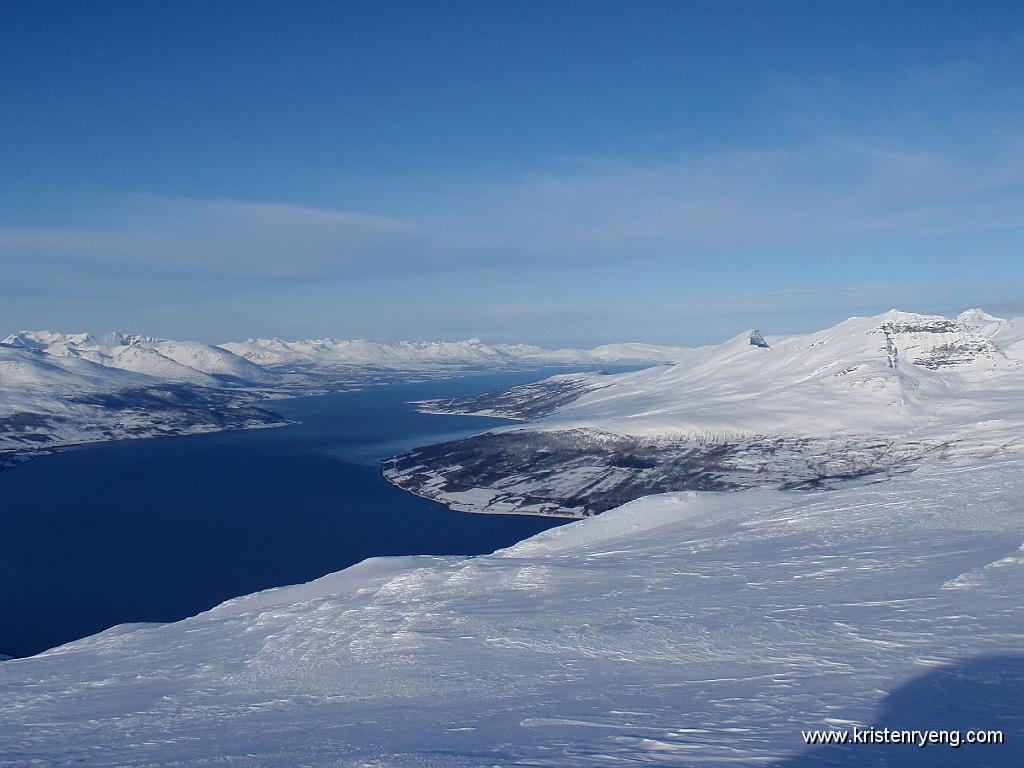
(156, 530)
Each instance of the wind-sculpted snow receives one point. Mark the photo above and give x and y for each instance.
(870, 396)
(687, 629)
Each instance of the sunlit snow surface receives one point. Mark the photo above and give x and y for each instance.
(682, 629)
(870, 396)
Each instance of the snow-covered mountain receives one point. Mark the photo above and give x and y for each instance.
(867, 395)
(680, 630)
(26, 371)
(61, 389)
(164, 359)
(410, 355)
(895, 373)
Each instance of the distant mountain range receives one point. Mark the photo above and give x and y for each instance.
(411, 355)
(163, 359)
(257, 361)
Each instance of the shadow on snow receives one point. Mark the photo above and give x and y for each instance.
(982, 693)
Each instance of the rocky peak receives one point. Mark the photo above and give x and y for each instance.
(757, 340)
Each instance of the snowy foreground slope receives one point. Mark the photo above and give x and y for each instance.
(871, 395)
(686, 629)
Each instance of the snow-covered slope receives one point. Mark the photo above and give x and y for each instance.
(408, 355)
(180, 361)
(63, 389)
(894, 374)
(869, 395)
(212, 360)
(25, 372)
(680, 630)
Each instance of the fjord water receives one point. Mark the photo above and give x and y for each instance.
(161, 529)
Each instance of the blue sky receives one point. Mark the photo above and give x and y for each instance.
(558, 173)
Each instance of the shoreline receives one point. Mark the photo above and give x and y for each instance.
(471, 511)
(13, 457)
(10, 460)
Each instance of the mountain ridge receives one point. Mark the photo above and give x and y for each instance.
(402, 354)
(868, 396)
(164, 359)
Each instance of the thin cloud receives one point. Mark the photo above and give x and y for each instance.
(220, 238)
(599, 212)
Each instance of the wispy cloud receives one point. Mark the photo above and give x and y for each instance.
(589, 211)
(229, 238)
(746, 197)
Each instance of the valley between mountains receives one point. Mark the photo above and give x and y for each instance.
(61, 389)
